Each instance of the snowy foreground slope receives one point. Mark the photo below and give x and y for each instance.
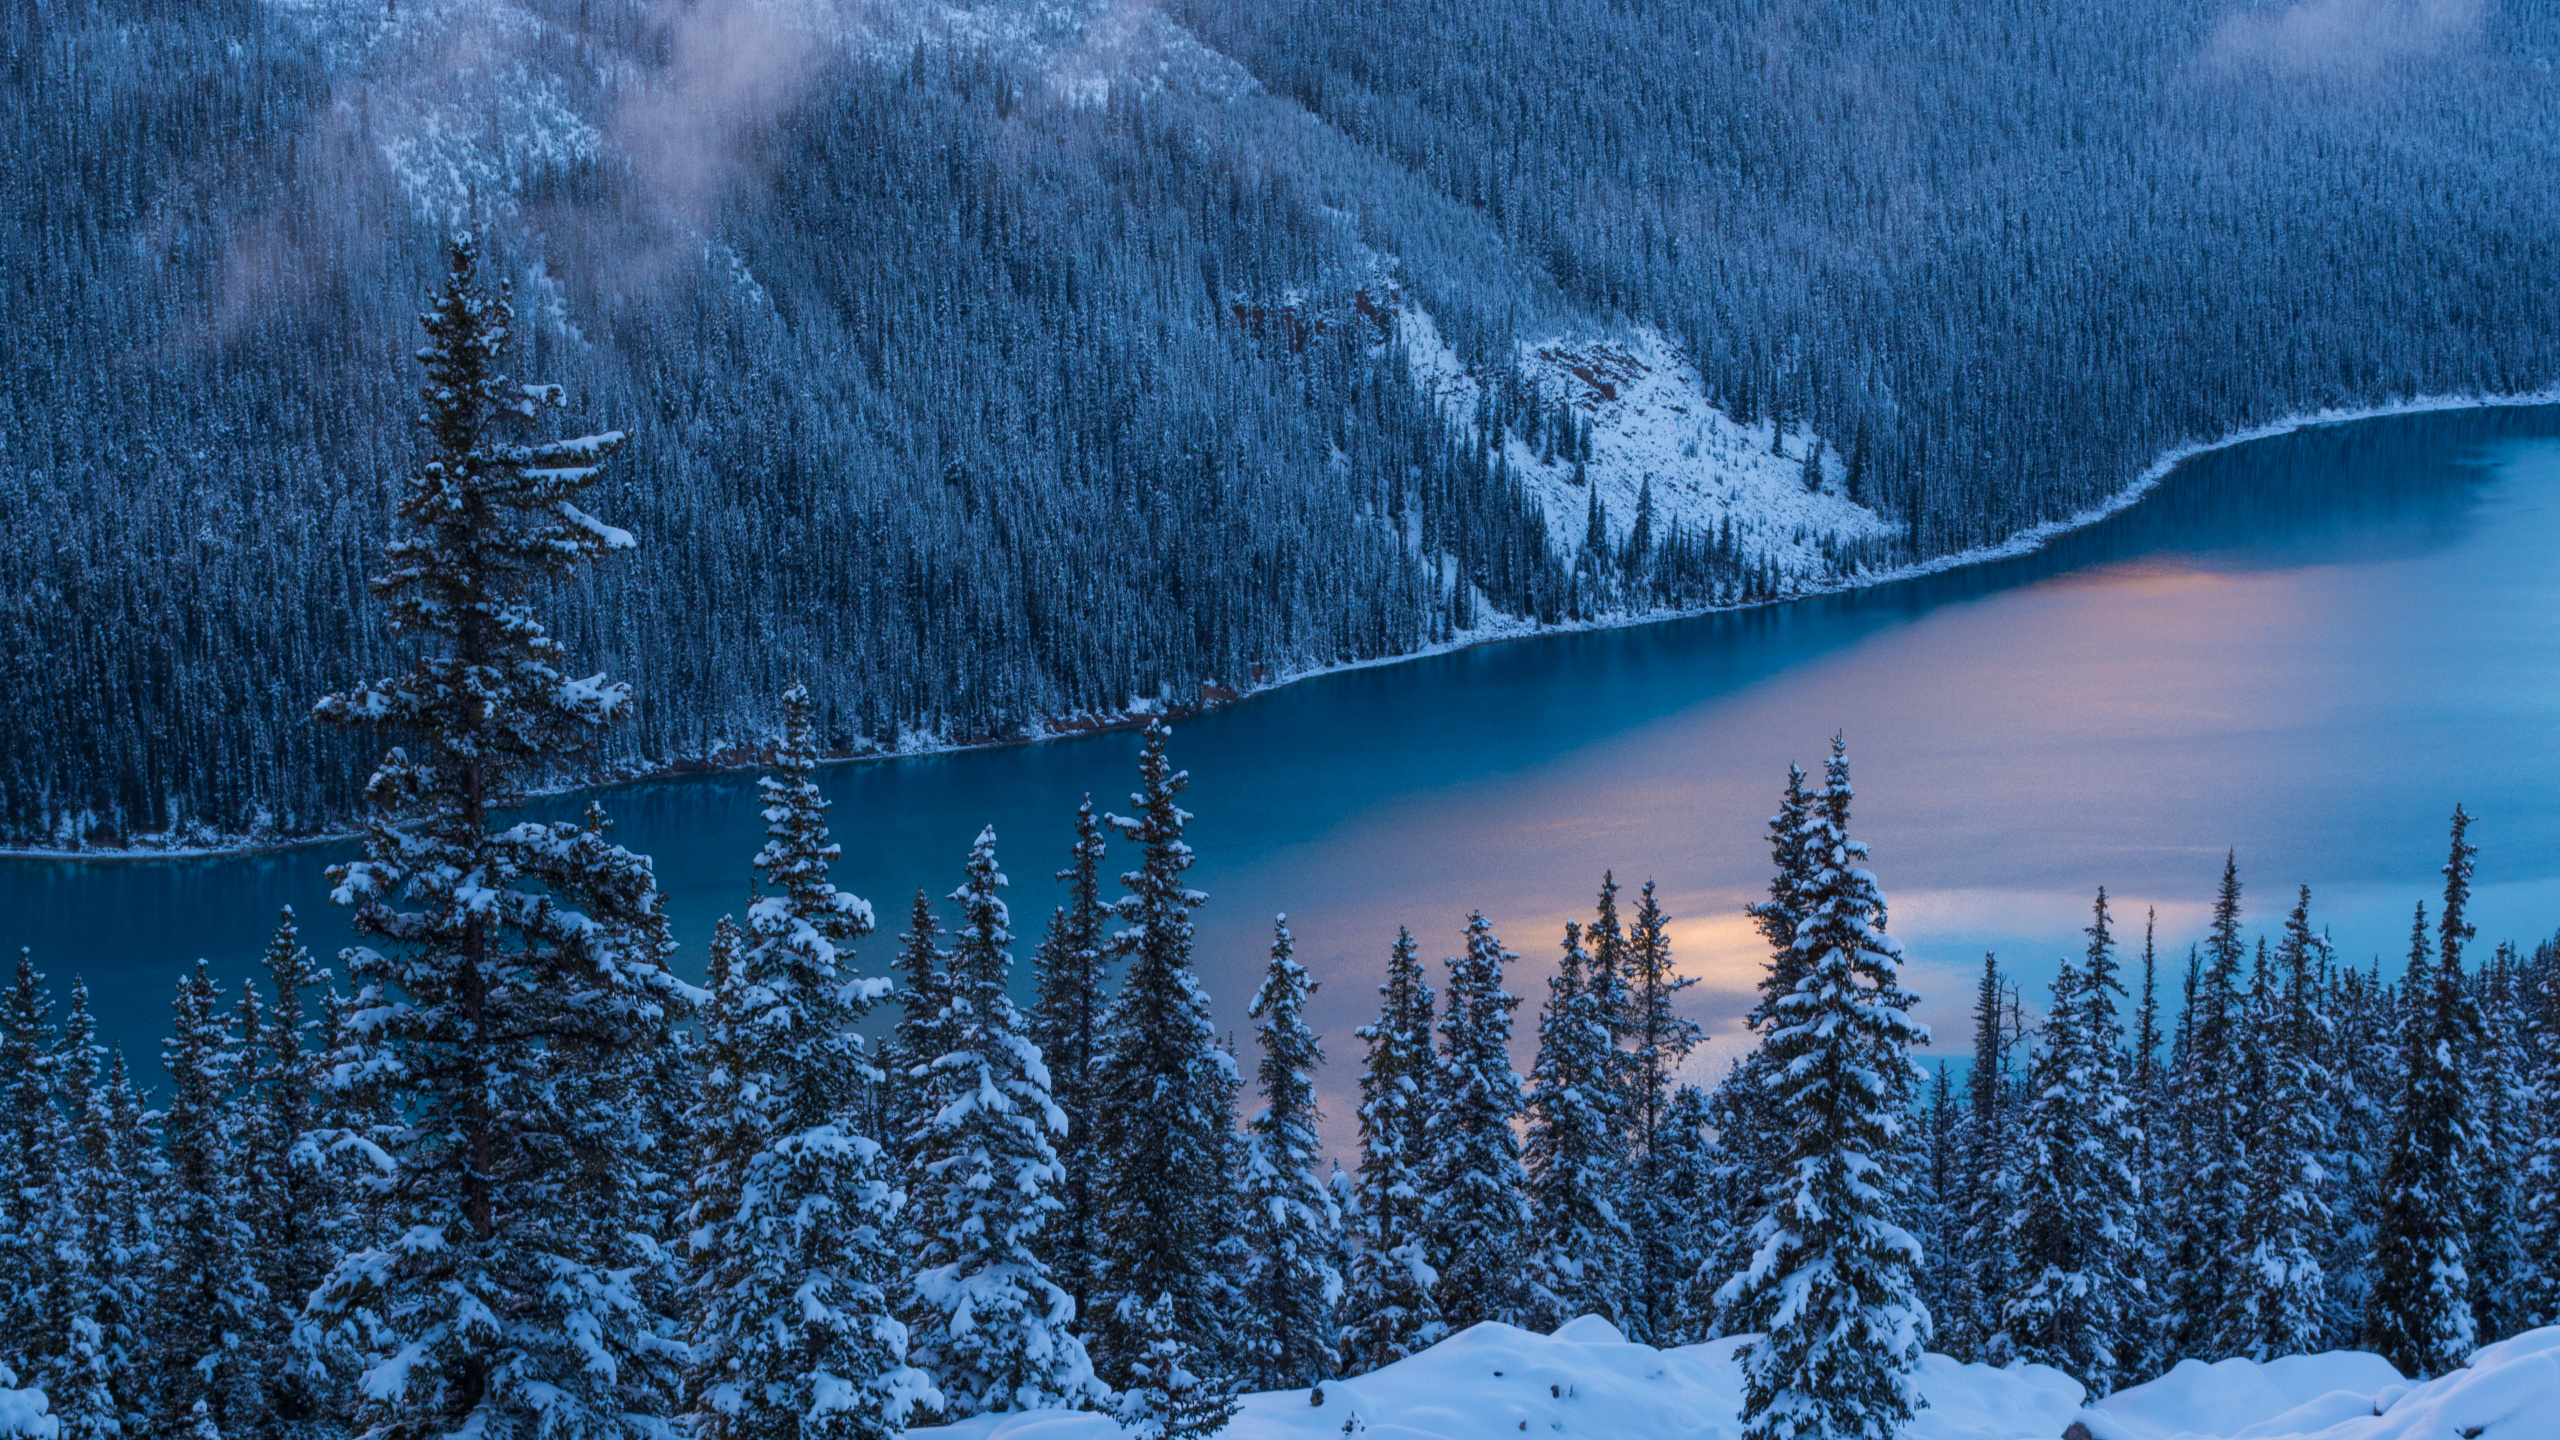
(1585, 1380)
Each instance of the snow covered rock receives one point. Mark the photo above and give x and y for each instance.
(2508, 1391)
(1584, 1380)
(1587, 1380)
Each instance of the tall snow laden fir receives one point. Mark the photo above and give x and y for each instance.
(791, 1272)
(1832, 1268)
(503, 1174)
(514, 984)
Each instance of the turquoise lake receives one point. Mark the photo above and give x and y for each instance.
(2305, 649)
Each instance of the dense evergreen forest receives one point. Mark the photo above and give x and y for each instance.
(994, 366)
(510, 1177)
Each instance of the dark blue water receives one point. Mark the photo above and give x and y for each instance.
(2307, 648)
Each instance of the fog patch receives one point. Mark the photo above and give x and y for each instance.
(2349, 36)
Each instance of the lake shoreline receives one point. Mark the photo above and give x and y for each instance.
(1215, 697)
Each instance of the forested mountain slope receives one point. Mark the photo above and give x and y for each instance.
(991, 366)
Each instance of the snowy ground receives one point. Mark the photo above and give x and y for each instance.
(1585, 1380)
(1650, 421)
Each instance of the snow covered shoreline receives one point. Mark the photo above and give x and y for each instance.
(1587, 1380)
(1495, 629)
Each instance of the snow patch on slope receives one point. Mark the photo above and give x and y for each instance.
(2507, 1391)
(1651, 424)
(1587, 1380)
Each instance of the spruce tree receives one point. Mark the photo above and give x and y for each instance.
(1575, 1155)
(1294, 1287)
(1659, 1040)
(30, 1160)
(2275, 1301)
(1072, 968)
(2539, 1295)
(1164, 1108)
(2419, 1313)
(989, 1323)
(1389, 1310)
(791, 1213)
(2075, 1231)
(512, 969)
(1752, 1140)
(1986, 1186)
(206, 1302)
(1939, 1229)
(1478, 1219)
(1702, 1230)
(2501, 1100)
(292, 1200)
(99, 1299)
(2362, 1066)
(918, 1039)
(2209, 1184)
(1846, 1326)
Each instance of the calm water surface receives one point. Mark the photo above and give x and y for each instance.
(2307, 649)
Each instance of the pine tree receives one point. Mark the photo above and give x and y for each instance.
(99, 1282)
(2275, 1302)
(1478, 1220)
(2141, 1348)
(2209, 1184)
(514, 969)
(1753, 1138)
(1575, 1155)
(2075, 1230)
(2539, 1296)
(2501, 1097)
(291, 1201)
(1294, 1287)
(1836, 1271)
(1940, 1230)
(1388, 1307)
(1164, 1107)
(1987, 1185)
(2419, 1314)
(919, 1037)
(206, 1299)
(1691, 1168)
(30, 1160)
(2363, 1071)
(792, 1214)
(1072, 969)
(989, 1323)
(1660, 1041)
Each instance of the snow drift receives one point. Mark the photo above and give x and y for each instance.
(1588, 1380)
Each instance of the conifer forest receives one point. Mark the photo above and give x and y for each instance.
(1028, 362)
(429, 426)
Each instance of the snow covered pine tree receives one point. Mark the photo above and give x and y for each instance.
(2419, 1314)
(1166, 1306)
(792, 1278)
(1292, 1288)
(1477, 1217)
(1073, 968)
(2079, 1287)
(990, 1323)
(516, 975)
(1574, 1155)
(1832, 1267)
(1388, 1311)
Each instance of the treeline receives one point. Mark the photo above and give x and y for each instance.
(2313, 1158)
(947, 391)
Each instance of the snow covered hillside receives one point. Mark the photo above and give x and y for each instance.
(1650, 424)
(1587, 1380)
